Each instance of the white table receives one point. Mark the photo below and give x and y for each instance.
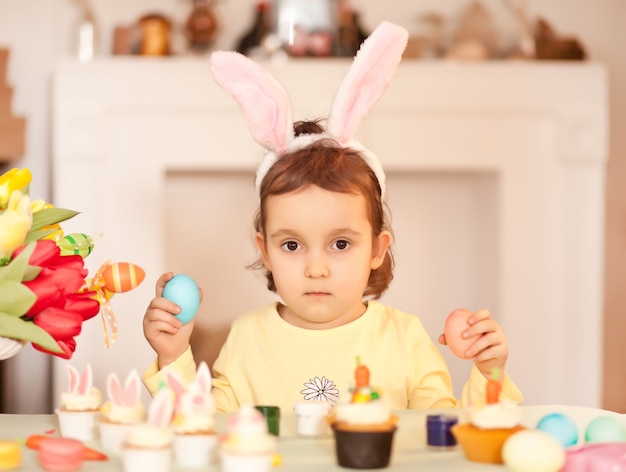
(410, 451)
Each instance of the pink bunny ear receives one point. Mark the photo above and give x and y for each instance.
(132, 392)
(86, 380)
(175, 383)
(161, 409)
(114, 389)
(74, 378)
(262, 98)
(368, 77)
(203, 377)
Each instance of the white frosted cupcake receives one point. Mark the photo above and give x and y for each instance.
(120, 412)
(363, 426)
(247, 444)
(148, 446)
(195, 440)
(79, 406)
(489, 426)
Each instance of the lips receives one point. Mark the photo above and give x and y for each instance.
(317, 294)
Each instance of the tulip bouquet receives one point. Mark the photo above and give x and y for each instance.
(45, 295)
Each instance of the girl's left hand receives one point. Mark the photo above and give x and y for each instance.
(491, 349)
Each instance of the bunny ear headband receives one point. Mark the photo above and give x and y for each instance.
(267, 109)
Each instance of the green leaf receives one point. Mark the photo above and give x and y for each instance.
(31, 273)
(15, 298)
(51, 216)
(16, 269)
(17, 328)
(37, 235)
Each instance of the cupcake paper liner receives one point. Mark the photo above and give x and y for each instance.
(363, 450)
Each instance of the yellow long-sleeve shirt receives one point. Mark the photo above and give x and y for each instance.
(267, 361)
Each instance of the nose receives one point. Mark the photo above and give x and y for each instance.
(316, 266)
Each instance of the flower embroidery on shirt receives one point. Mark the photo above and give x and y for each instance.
(317, 389)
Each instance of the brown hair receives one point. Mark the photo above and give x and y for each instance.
(334, 168)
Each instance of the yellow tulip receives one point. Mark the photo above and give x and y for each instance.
(15, 179)
(38, 205)
(15, 223)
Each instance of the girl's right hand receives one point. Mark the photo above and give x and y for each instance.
(164, 332)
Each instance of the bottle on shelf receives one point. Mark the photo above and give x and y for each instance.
(201, 26)
(86, 34)
(251, 43)
(350, 34)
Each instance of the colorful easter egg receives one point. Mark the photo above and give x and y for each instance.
(533, 450)
(605, 429)
(122, 277)
(560, 426)
(76, 244)
(455, 324)
(183, 290)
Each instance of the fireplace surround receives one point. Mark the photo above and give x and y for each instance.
(496, 176)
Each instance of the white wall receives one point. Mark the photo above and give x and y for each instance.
(38, 33)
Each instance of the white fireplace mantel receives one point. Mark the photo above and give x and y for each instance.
(538, 129)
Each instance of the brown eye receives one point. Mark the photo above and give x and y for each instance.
(291, 246)
(341, 244)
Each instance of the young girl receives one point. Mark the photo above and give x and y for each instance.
(324, 240)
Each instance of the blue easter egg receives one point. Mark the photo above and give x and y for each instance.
(183, 290)
(561, 427)
(605, 429)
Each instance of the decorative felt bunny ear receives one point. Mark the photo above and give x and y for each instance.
(203, 377)
(267, 109)
(79, 385)
(130, 394)
(175, 383)
(161, 409)
(366, 81)
(262, 98)
(196, 397)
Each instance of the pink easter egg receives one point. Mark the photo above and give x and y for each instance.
(456, 323)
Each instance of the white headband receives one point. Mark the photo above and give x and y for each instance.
(267, 108)
(304, 140)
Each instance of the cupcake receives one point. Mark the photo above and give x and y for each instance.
(79, 406)
(120, 412)
(364, 426)
(247, 444)
(489, 426)
(148, 445)
(195, 440)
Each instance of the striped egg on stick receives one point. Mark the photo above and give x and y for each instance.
(122, 276)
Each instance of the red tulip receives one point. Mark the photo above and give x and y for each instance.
(60, 308)
(67, 346)
(48, 254)
(48, 295)
(60, 324)
(83, 304)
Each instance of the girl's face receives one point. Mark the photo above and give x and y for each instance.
(320, 250)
